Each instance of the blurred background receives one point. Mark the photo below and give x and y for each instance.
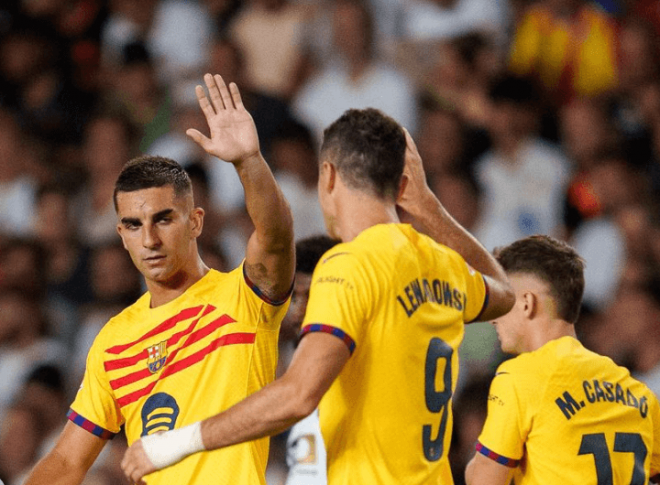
(531, 117)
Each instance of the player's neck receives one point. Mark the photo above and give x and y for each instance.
(357, 212)
(164, 292)
(547, 331)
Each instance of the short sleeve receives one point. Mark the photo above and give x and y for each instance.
(503, 436)
(95, 408)
(338, 299)
(476, 291)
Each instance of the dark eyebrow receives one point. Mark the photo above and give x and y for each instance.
(130, 220)
(162, 214)
(156, 217)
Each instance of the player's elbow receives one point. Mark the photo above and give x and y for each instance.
(304, 405)
(301, 401)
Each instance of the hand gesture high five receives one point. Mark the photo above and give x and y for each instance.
(233, 134)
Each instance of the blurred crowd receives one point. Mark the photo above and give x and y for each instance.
(531, 117)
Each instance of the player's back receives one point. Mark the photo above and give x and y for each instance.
(584, 420)
(400, 300)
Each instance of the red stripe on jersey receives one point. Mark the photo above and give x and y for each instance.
(130, 378)
(194, 337)
(162, 327)
(230, 339)
(134, 359)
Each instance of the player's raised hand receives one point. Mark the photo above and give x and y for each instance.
(415, 187)
(233, 133)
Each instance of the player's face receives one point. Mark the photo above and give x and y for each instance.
(159, 230)
(294, 317)
(511, 327)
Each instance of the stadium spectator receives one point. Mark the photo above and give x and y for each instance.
(523, 178)
(108, 144)
(269, 33)
(296, 170)
(25, 343)
(17, 186)
(433, 20)
(20, 436)
(176, 34)
(22, 266)
(570, 46)
(359, 80)
(645, 350)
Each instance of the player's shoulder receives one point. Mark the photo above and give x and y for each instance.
(528, 363)
(117, 322)
(519, 365)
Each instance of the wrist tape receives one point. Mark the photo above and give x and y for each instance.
(165, 449)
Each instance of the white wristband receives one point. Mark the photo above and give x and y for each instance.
(165, 449)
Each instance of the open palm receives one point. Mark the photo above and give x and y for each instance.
(233, 134)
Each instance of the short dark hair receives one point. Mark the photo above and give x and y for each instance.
(310, 250)
(553, 262)
(368, 148)
(145, 172)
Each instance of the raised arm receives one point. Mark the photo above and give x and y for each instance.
(418, 200)
(270, 255)
(68, 462)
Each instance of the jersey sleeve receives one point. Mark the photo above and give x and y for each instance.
(338, 299)
(476, 292)
(504, 433)
(95, 408)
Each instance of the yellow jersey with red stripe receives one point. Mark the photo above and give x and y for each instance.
(399, 301)
(155, 369)
(564, 414)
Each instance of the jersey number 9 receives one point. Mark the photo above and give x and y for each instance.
(436, 401)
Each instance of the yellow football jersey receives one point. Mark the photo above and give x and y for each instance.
(399, 301)
(567, 415)
(155, 369)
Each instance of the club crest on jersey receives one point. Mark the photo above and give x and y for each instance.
(157, 356)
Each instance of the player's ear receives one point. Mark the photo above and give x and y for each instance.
(402, 186)
(530, 304)
(119, 228)
(328, 176)
(197, 221)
